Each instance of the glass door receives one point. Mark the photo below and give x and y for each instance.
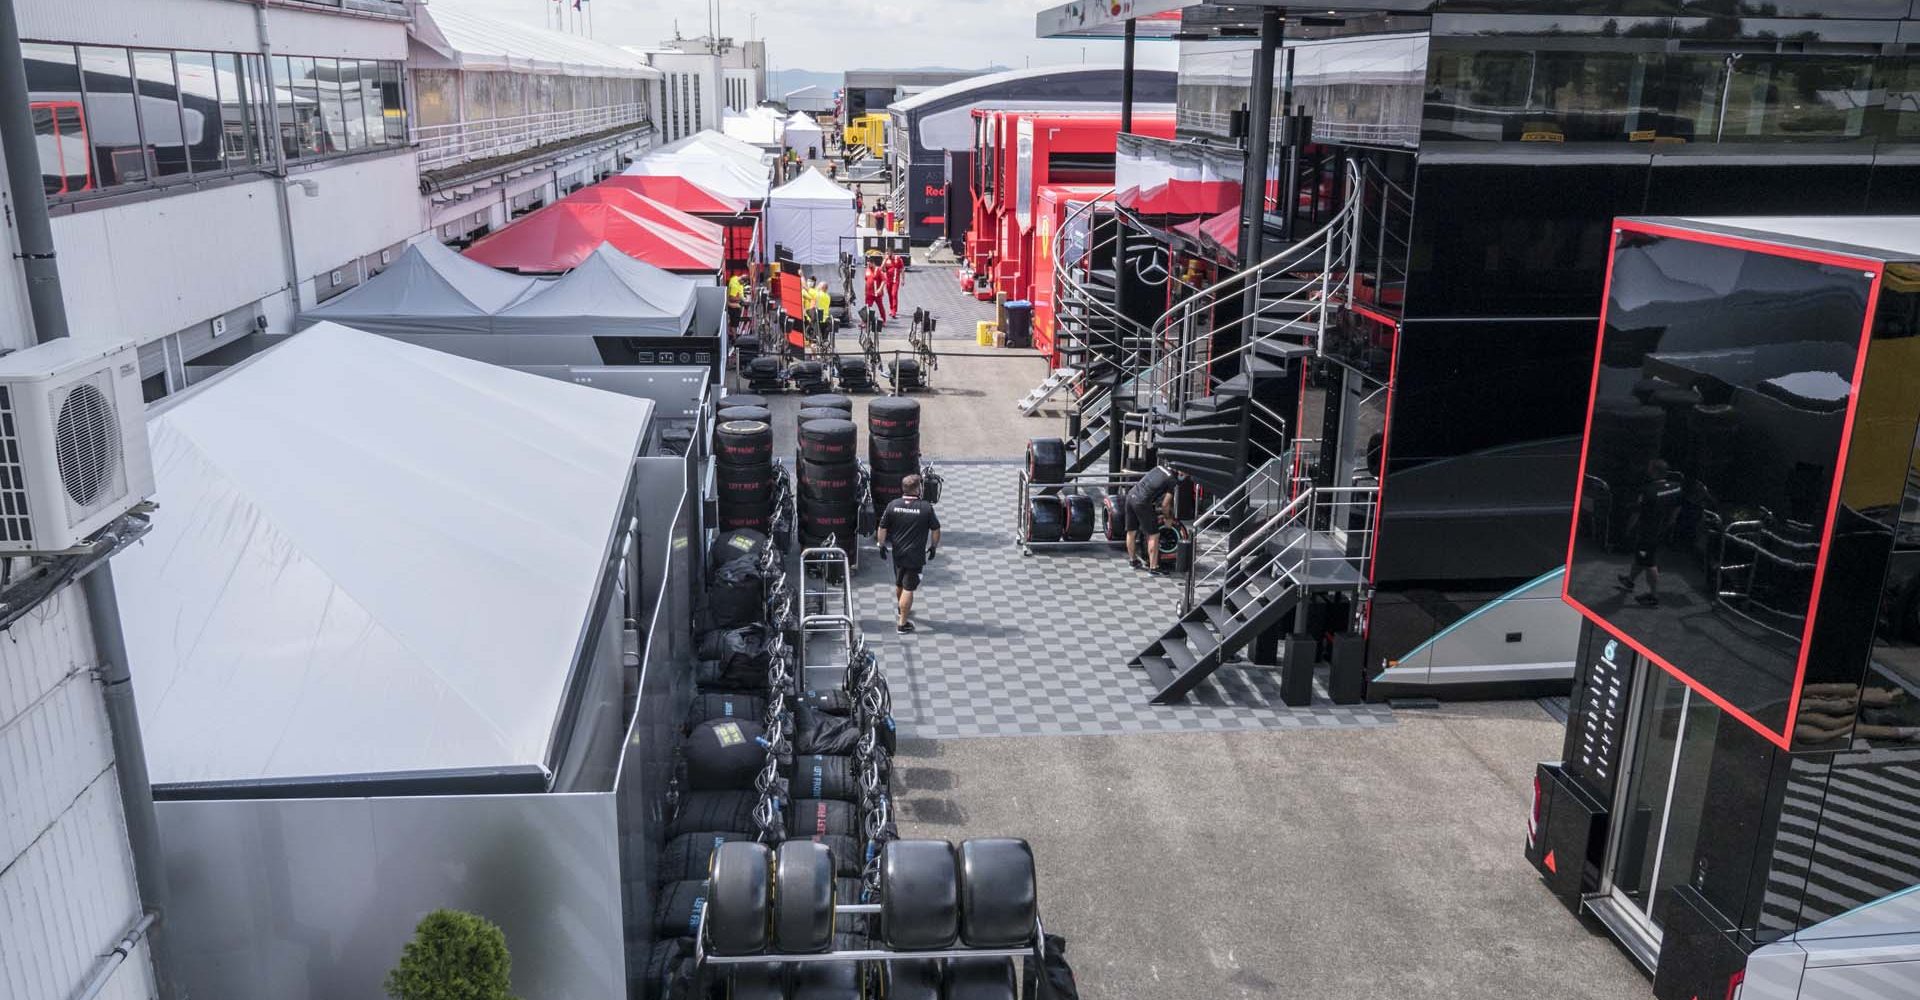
(1656, 821)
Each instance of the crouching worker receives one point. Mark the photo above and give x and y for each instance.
(909, 533)
(1149, 505)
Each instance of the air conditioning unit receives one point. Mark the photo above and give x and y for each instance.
(73, 443)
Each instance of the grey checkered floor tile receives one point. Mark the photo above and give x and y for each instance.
(936, 288)
(1012, 645)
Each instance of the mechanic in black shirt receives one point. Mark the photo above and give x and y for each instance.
(910, 532)
(1148, 503)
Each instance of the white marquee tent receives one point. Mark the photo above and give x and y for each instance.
(722, 173)
(809, 216)
(376, 559)
(760, 127)
(804, 133)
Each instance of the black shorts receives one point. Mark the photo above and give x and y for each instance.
(907, 578)
(1643, 557)
(733, 312)
(1142, 517)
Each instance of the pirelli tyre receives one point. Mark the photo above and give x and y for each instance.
(893, 455)
(849, 860)
(813, 413)
(724, 754)
(829, 482)
(911, 979)
(744, 520)
(998, 898)
(743, 487)
(894, 416)
(1046, 519)
(716, 811)
(739, 898)
(1047, 461)
(828, 400)
(1114, 515)
(742, 399)
(823, 776)
(731, 545)
(820, 518)
(729, 414)
(743, 443)
(677, 914)
(919, 895)
(822, 817)
(980, 979)
(907, 374)
(826, 441)
(687, 856)
(763, 369)
(709, 705)
(803, 897)
(1078, 509)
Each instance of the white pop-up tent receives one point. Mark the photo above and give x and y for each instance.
(803, 133)
(759, 127)
(810, 216)
(378, 560)
(720, 173)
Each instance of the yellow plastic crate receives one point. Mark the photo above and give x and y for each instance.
(983, 333)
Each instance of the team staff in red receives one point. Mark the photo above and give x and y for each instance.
(896, 266)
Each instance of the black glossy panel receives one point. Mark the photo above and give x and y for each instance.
(1483, 447)
(1516, 230)
(1724, 381)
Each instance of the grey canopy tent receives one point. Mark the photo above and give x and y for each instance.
(608, 294)
(430, 289)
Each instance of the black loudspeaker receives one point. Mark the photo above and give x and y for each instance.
(1296, 671)
(1700, 950)
(1567, 835)
(1347, 673)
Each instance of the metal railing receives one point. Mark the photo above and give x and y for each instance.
(1128, 342)
(439, 146)
(1183, 362)
(1382, 231)
(1322, 537)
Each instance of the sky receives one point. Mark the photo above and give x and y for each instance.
(838, 35)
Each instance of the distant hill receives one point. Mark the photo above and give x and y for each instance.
(785, 81)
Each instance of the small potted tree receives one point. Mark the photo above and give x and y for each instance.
(454, 955)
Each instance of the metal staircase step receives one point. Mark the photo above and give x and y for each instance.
(1217, 613)
(1102, 276)
(1058, 379)
(1158, 669)
(1183, 658)
(1199, 636)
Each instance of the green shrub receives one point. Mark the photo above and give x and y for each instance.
(453, 956)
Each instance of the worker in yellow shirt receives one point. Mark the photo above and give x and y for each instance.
(819, 300)
(736, 301)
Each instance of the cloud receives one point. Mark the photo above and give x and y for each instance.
(845, 34)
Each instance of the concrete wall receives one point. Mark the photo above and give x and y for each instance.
(67, 891)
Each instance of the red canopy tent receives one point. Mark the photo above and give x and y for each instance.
(648, 208)
(677, 192)
(557, 238)
(688, 196)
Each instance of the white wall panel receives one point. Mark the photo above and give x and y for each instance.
(308, 33)
(147, 269)
(202, 24)
(360, 207)
(67, 889)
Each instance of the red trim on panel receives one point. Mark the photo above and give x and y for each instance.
(1777, 739)
(1586, 433)
(1386, 441)
(1833, 498)
(1377, 317)
(1743, 243)
(1784, 738)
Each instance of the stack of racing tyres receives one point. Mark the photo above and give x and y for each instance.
(783, 875)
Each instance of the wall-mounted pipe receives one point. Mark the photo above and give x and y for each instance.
(111, 962)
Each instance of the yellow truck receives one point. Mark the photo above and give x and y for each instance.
(868, 131)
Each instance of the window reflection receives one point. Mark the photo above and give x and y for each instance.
(1542, 96)
(59, 120)
(112, 125)
(160, 122)
(202, 112)
(1889, 701)
(1723, 389)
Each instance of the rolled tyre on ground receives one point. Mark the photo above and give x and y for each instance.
(739, 898)
(744, 488)
(827, 442)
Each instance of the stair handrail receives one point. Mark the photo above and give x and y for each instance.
(1322, 241)
(1258, 536)
(1065, 290)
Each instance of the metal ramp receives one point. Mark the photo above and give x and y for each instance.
(1060, 379)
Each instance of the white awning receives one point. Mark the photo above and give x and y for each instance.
(374, 559)
(465, 38)
(811, 216)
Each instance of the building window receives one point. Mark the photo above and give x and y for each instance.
(699, 120)
(111, 117)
